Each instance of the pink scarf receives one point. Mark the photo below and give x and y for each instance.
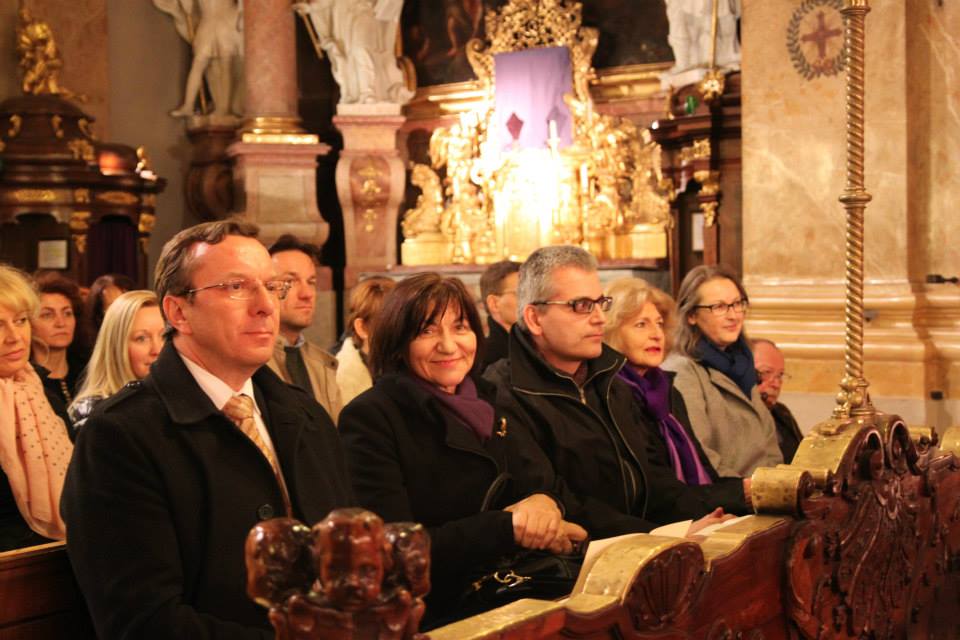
(34, 451)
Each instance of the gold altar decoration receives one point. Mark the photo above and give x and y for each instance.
(40, 60)
(478, 205)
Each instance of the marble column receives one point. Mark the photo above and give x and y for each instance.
(370, 185)
(275, 161)
(794, 158)
(270, 68)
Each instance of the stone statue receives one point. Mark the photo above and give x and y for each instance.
(214, 28)
(691, 23)
(348, 578)
(359, 37)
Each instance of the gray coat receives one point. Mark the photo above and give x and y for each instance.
(737, 433)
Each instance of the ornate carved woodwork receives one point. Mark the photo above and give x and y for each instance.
(701, 161)
(348, 577)
(858, 538)
(53, 166)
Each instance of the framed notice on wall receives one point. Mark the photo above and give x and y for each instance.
(53, 254)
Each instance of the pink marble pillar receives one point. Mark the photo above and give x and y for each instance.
(370, 185)
(270, 67)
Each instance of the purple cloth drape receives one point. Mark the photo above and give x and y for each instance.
(531, 84)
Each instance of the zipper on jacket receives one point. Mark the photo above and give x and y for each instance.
(623, 474)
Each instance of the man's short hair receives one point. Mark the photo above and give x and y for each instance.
(536, 273)
(173, 275)
(290, 242)
(491, 282)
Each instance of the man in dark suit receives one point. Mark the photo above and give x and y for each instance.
(169, 475)
(498, 290)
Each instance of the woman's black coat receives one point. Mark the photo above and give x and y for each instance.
(412, 460)
(674, 500)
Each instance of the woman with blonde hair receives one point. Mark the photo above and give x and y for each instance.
(129, 341)
(639, 325)
(30, 485)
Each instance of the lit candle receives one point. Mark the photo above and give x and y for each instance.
(552, 126)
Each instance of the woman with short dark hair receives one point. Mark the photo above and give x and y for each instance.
(426, 445)
(59, 338)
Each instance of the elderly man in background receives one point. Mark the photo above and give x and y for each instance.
(770, 365)
(170, 474)
(296, 359)
(498, 291)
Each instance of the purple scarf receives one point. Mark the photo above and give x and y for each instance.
(652, 390)
(474, 412)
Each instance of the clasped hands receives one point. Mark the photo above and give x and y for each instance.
(539, 524)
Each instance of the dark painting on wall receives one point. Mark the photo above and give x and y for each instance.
(436, 32)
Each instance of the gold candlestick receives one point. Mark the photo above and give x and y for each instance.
(853, 399)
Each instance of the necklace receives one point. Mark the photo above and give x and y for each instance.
(66, 391)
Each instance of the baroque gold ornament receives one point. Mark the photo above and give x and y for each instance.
(482, 202)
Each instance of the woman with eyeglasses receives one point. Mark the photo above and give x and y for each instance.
(717, 377)
(640, 324)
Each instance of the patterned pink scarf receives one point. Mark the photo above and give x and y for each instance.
(34, 451)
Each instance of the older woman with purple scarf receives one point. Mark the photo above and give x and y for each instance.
(639, 325)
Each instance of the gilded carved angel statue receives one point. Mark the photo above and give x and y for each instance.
(214, 28)
(40, 59)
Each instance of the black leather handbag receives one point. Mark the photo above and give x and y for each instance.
(528, 573)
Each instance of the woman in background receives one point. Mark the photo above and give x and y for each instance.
(130, 340)
(30, 484)
(103, 292)
(640, 325)
(59, 344)
(717, 377)
(353, 372)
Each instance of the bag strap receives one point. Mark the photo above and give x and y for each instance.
(494, 491)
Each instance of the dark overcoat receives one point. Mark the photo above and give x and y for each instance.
(410, 459)
(163, 489)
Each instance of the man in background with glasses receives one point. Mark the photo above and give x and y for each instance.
(295, 359)
(561, 400)
(768, 359)
(169, 475)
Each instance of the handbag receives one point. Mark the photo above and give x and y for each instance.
(528, 573)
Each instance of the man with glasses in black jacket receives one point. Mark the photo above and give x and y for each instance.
(559, 390)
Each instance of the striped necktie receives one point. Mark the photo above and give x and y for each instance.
(239, 409)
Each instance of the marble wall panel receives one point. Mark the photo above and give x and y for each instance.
(794, 150)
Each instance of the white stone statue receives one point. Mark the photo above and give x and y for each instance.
(214, 28)
(359, 36)
(690, 36)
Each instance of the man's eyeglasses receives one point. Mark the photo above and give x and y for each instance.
(245, 289)
(721, 308)
(767, 374)
(582, 305)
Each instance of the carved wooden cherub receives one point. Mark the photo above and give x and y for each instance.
(348, 578)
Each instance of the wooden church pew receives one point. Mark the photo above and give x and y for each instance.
(39, 598)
